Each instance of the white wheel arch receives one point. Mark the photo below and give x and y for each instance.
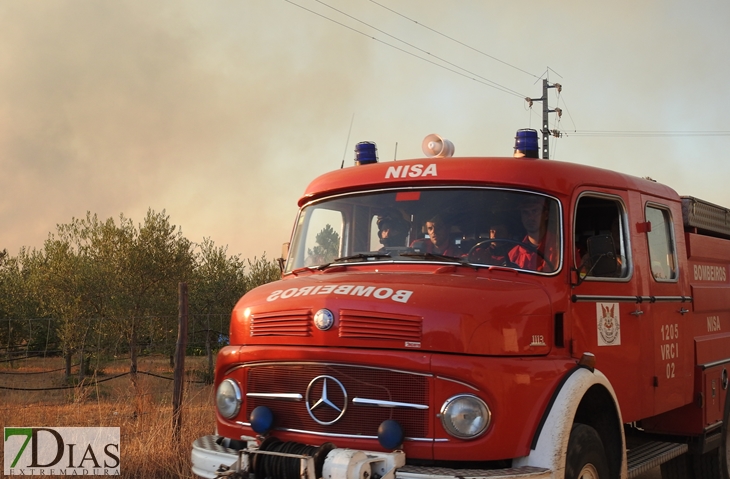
(552, 443)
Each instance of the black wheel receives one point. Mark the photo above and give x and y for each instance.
(586, 457)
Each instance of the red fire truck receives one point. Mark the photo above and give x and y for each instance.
(479, 317)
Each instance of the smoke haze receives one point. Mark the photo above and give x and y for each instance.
(221, 112)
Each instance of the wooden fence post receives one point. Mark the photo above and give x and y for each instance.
(179, 376)
(208, 353)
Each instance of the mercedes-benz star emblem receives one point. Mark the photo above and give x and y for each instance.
(332, 401)
(324, 319)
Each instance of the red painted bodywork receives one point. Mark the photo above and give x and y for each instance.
(477, 324)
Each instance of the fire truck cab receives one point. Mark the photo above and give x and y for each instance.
(484, 318)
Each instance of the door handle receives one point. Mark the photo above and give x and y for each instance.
(638, 312)
(682, 311)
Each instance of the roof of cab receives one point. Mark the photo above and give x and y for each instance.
(550, 176)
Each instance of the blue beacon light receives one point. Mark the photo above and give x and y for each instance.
(526, 145)
(366, 153)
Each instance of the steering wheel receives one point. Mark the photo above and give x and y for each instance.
(528, 246)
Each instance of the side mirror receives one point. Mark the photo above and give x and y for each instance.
(284, 256)
(601, 260)
(602, 254)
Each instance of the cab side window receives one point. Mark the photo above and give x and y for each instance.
(600, 238)
(661, 244)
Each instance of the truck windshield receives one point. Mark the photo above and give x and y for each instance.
(480, 226)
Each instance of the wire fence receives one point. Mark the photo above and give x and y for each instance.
(115, 372)
(97, 376)
(109, 337)
(35, 392)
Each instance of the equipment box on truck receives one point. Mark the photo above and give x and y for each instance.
(482, 318)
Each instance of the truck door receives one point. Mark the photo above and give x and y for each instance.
(606, 296)
(666, 304)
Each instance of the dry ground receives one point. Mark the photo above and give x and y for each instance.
(142, 412)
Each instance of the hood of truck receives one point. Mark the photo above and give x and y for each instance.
(437, 309)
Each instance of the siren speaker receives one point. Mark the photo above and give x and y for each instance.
(435, 146)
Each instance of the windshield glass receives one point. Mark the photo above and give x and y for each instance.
(481, 226)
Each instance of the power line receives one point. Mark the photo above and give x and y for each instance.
(485, 81)
(565, 105)
(469, 74)
(414, 46)
(644, 134)
(455, 40)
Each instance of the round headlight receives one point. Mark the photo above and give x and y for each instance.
(228, 398)
(465, 416)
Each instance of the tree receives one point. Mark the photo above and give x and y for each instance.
(19, 299)
(125, 277)
(218, 282)
(109, 283)
(261, 271)
(65, 275)
(328, 246)
(157, 259)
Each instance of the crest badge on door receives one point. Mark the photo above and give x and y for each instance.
(609, 324)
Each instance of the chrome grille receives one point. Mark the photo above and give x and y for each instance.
(359, 382)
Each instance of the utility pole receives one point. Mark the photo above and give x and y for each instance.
(545, 130)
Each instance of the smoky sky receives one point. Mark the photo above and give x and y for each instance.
(116, 107)
(220, 113)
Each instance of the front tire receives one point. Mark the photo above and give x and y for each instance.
(586, 458)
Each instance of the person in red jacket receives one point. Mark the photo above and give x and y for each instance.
(543, 254)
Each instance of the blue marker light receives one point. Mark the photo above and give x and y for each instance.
(262, 419)
(390, 434)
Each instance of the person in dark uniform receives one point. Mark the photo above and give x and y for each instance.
(392, 229)
(439, 239)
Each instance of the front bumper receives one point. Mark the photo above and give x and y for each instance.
(211, 460)
(209, 456)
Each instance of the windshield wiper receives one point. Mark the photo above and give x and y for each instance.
(374, 255)
(303, 269)
(438, 257)
(345, 259)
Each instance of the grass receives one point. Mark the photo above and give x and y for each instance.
(143, 412)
